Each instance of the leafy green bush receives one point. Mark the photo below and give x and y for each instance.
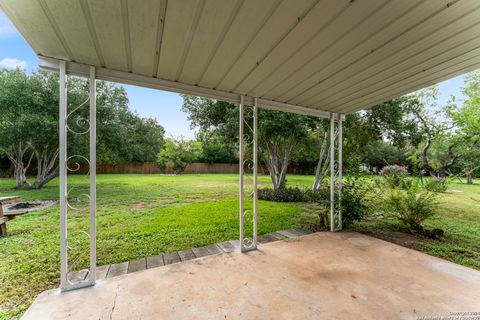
(395, 176)
(411, 206)
(284, 195)
(177, 154)
(354, 202)
(436, 184)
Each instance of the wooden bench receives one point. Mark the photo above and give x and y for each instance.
(5, 217)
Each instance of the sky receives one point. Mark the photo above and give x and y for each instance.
(162, 105)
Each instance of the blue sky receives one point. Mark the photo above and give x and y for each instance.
(164, 106)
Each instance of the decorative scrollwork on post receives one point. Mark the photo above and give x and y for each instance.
(336, 185)
(74, 166)
(248, 149)
(82, 200)
(82, 124)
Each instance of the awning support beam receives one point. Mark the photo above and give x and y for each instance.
(80, 69)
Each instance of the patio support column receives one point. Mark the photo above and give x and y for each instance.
(247, 139)
(241, 171)
(93, 175)
(332, 172)
(62, 140)
(340, 169)
(64, 159)
(255, 169)
(336, 183)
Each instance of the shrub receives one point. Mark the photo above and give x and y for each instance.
(411, 206)
(354, 204)
(436, 184)
(177, 154)
(395, 176)
(284, 195)
(394, 170)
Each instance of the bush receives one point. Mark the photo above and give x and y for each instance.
(436, 184)
(354, 204)
(177, 154)
(411, 206)
(285, 195)
(395, 176)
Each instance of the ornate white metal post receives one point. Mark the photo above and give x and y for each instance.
(248, 139)
(241, 171)
(93, 175)
(62, 126)
(335, 171)
(340, 169)
(255, 170)
(86, 126)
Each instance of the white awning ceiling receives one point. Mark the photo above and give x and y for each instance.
(305, 56)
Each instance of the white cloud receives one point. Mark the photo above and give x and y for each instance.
(12, 63)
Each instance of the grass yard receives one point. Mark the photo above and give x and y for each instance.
(137, 216)
(458, 216)
(142, 215)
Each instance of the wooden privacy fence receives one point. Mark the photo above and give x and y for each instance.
(197, 167)
(150, 167)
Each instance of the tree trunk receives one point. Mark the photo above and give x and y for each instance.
(47, 167)
(16, 155)
(469, 174)
(469, 178)
(323, 164)
(277, 157)
(319, 170)
(20, 175)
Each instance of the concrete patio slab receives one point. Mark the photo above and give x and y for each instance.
(317, 276)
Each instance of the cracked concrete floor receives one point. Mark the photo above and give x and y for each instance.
(318, 276)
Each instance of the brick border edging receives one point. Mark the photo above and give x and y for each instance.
(118, 269)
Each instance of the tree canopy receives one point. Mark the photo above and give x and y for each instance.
(29, 124)
(278, 132)
(179, 153)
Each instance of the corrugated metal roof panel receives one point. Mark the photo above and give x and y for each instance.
(302, 56)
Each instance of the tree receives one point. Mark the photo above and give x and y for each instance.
(394, 121)
(216, 148)
(392, 124)
(177, 154)
(380, 153)
(436, 154)
(29, 125)
(278, 132)
(467, 120)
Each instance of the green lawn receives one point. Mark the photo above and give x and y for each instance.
(142, 215)
(137, 216)
(458, 216)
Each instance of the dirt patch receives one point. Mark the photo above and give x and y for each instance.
(136, 206)
(28, 206)
(401, 238)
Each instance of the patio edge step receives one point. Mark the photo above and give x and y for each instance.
(118, 269)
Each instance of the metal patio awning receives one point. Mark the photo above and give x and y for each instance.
(306, 56)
